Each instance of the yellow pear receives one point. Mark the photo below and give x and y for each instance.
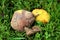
(41, 15)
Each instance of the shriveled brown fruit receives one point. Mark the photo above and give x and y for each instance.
(21, 19)
(28, 31)
(36, 28)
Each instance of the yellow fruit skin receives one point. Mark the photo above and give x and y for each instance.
(19, 11)
(36, 12)
(43, 16)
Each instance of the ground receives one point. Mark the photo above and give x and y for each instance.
(50, 31)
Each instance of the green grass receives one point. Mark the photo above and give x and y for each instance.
(50, 31)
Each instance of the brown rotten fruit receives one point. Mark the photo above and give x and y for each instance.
(22, 19)
(33, 30)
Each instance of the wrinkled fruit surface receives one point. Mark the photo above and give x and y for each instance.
(36, 28)
(32, 31)
(21, 19)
